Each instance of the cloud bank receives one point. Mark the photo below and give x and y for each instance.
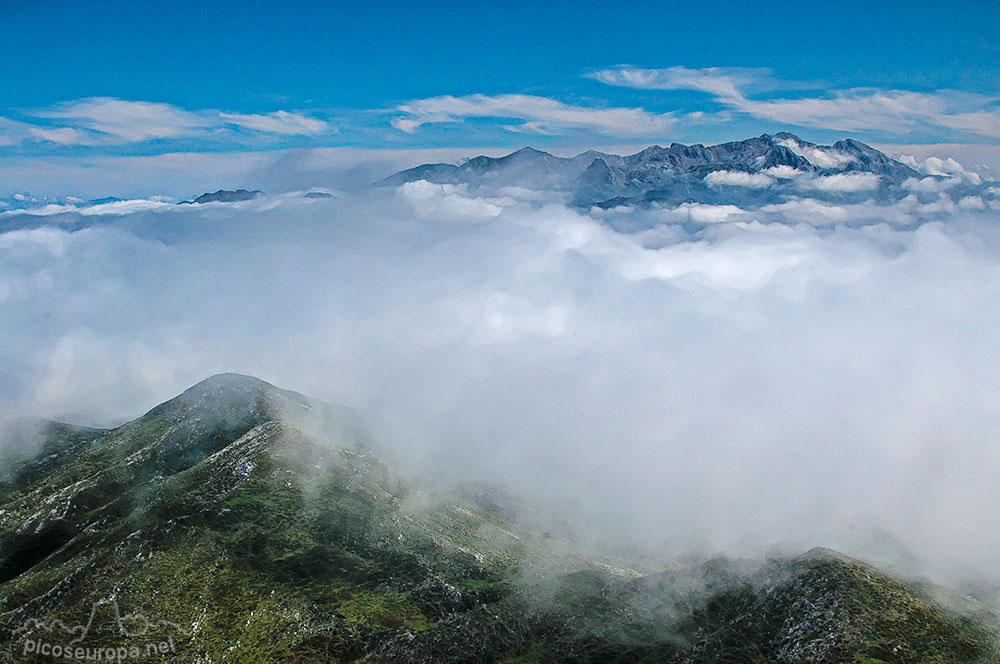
(713, 379)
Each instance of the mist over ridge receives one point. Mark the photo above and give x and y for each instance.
(679, 375)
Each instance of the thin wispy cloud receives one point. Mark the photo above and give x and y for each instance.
(280, 122)
(733, 94)
(63, 136)
(719, 81)
(893, 111)
(738, 179)
(535, 114)
(110, 121)
(118, 120)
(853, 109)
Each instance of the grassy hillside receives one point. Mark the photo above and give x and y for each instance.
(242, 523)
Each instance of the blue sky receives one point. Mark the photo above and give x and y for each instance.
(137, 78)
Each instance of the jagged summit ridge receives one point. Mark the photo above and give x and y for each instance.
(675, 173)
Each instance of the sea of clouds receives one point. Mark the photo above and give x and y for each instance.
(690, 378)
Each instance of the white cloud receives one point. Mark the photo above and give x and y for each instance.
(805, 210)
(124, 121)
(947, 167)
(818, 156)
(984, 123)
(64, 136)
(129, 206)
(538, 115)
(938, 166)
(931, 184)
(41, 211)
(893, 111)
(782, 172)
(279, 122)
(972, 203)
(449, 202)
(703, 213)
(809, 210)
(983, 158)
(738, 179)
(943, 205)
(718, 81)
(111, 121)
(843, 182)
(856, 109)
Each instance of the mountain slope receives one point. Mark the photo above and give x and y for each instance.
(243, 523)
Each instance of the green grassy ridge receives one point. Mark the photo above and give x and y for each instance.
(298, 520)
(833, 609)
(60, 442)
(270, 546)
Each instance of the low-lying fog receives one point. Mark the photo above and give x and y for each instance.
(714, 380)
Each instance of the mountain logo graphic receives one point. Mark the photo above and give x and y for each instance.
(128, 625)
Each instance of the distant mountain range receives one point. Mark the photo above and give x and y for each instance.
(749, 170)
(752, 173)
(225, 196)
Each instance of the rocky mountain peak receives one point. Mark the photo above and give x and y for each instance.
(677, 173)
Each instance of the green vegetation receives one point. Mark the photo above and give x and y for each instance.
(227, 512)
